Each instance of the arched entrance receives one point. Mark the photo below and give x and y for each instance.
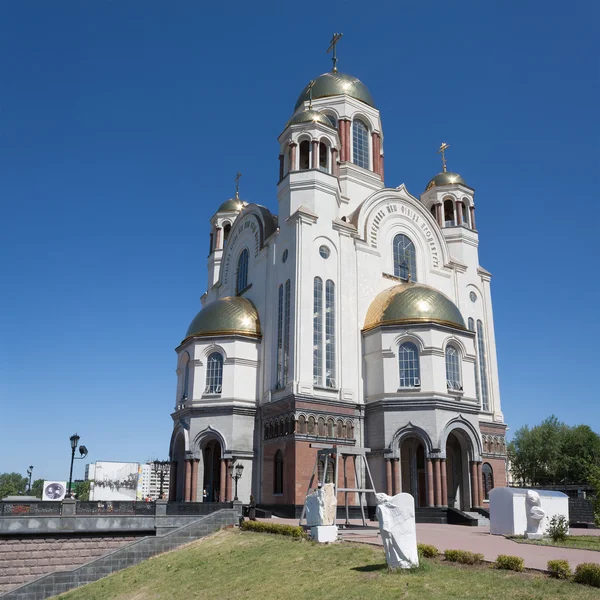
(413, 469)
(177, 488)
(211, 458)
(457, 470)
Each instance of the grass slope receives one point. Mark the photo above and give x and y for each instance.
(583, 542)
(234, 565)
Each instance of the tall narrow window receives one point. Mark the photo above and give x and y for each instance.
(449, 213)
(280, 339)
(408, 358)
(186, 377)
(405, 258)
(465, 214)
(360, 144)
(304, 155)
(286, 332)
(477, 390)
(318, 332)
(278, 473)
(242, 272)
(330, 334)
(214, 373)
(226, 232)
(487, 476)
(453, 369)
(485, 402)
(323, 156)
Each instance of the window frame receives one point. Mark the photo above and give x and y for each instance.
(361, 146)
(241, 273)
(404, 254)
(453, 364)
(214, 379)
(410, 365)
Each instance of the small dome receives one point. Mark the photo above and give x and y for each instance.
(336, 84)
(233, 204)
(309, 116)
(445, 178)
(232, 315)
(410, 303)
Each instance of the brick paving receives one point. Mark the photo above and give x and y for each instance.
(475, 539)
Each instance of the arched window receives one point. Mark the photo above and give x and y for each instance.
(487, 476)
(330, 379)
(465, 214)
(292, 425)
(485, 401)
(301, 424)
(332, 120)
(323, 157)
(242, 272)
(214, 373)
(453, 368)
(329, 427)
(266, 437)
(405, 258)
(278, 473)
(433, 212)
(286, 331)
(186, 377)
(226, 232)
(408, 359)
(360, 144)
(471, 326)
(311, 425)
(350, 430)
(321, 422)
(304, 155)
(318, 332)
(449, 213)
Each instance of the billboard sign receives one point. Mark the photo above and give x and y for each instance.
(114, 481)
(54, 490)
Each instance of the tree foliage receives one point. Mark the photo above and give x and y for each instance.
(554, 453)
(12, 484)
(37, 488)
(82, 490)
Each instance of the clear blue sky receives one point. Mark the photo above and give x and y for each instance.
(123, 124)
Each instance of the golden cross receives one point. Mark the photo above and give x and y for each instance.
(311, 85)
(441, 151)
(237, 186)
(334, 40)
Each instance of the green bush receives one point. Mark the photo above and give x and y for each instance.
(511, 563)
(463, 557)
(558, 528)
(427, 550)
(588, 574)
(262, 527)
(559, 569)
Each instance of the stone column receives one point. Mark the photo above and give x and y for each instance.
(429, 482)
(438, 212)
(375, 144)
(347, 142)
(281, 162)
(381, 166)
(228, 494)
(444, 478)
(459, 213)
(480, 483)
(222, 490)
(396, 475)
(194, 494)
(335, 169)
(172, 481)
(473, 218)
(342, 132)
(218, 243)
(438, 482)
(188, 480)
(474, 486)
(315, 154)
(293, 146)
(388, 476)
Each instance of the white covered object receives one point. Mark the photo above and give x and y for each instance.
(508, 509)
(396, 515)
(321, 506)
(324, 533)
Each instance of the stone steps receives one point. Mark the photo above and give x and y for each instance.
(481, 520)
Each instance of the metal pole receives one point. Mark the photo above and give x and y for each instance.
(71, 471)
(236, 482)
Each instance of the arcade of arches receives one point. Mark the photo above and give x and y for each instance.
(451, 479)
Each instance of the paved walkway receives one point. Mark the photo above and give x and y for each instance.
(475, 539)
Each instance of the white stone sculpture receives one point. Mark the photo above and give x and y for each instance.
(535, 515)
(321, 506)
(396, 515)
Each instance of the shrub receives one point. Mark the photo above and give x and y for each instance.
(427, 550)
(261, 527)
(463, 556)
(588, 574)
(558, 528)
(559, 569)
(511, 563)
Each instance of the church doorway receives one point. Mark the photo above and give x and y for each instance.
(457, 471)
(212, 471)
(412, 468)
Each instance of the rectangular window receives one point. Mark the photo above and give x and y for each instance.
(485, 403)
(280, 339)
(330, 334)
(318, 332)
(286, 332)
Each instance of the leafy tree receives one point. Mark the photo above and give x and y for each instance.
(12, 484)
(82, 490)
(37, 488)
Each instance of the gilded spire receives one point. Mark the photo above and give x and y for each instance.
(237, 186)
(334, 40)
(441, 151)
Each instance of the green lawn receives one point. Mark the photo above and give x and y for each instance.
(234, 565)
(583, 542)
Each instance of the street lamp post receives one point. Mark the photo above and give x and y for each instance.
(83, 451)
(235, 473)
(30, 473)
(160, 468)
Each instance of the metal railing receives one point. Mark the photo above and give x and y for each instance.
(195, 508)
(21, 509)
(115, 507)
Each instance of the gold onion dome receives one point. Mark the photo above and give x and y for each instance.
(445, 178)
(336, 84)
(309, 116)
(410, 303)
(232, 315)
(233, 204)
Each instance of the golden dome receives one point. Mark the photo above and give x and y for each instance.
(232, 315)
(309, 116)
(336, 84)
(233, 204)
(445, 178)
(410, 303)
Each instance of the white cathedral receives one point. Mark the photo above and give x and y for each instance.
(358, 316)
